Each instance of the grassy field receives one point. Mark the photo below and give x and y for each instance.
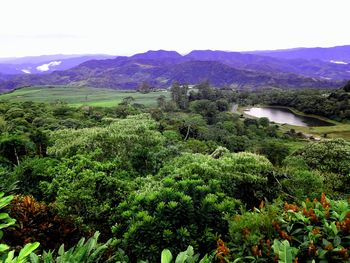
(79, 96)
(337, 131)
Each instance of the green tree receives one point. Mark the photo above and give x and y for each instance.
(243, 176)
(274, 151)
(144, 87)
(347, 86)
(161, 101)
(264, 122)
(127, 100)
(15, 147)
(328, 156)
(179, 95)
(134, 142)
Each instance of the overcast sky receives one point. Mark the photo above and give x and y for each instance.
(124, 27)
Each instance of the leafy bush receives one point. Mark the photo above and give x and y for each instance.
(86, 190)
(178, 213)
(301, 181)
(244, 176)
(328, 156)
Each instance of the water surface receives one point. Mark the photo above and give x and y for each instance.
(283, 115)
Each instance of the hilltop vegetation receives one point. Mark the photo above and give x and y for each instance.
(185, 174)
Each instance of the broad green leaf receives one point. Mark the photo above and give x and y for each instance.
(29, 248)
(3, 247)
(10, 256)
(181, 257)
(166, 256)
(33, 258)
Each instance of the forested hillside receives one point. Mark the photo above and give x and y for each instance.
(187, 179)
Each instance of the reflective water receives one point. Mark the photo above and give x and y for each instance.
(283, 115)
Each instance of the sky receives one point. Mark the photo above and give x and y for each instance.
(126, 27)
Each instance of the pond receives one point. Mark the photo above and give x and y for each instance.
(283, 115)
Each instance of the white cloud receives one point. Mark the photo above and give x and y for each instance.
(46, 67)
(26, 71)
(338, 62)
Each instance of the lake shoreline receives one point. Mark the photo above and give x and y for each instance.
(299, 114)
(285, 116)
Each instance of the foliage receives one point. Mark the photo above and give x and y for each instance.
(89, 251)
(241, 175)
(33, 174)
(89, 200)
(133, 142)
(180, 176)
(179, 95)
(174, 215)
(186, 256)
(6, 221)
(274, 151)
(302, 182)
(328, 155)
(315, 230)
(284, 251)
(252, 233)
(39, 222)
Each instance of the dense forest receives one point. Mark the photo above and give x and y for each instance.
(187, 181)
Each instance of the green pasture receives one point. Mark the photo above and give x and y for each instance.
(79, 96)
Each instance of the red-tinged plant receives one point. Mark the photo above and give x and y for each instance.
(39, 222)
(319, 230)
(222, 251)
(291, 207)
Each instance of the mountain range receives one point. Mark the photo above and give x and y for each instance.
(335, 54)
(294, 68)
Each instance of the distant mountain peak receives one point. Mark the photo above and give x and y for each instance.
(158, 54)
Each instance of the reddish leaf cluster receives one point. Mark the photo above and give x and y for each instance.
(283, 234)
(222, 251)
(312, 250)
(344, 253)
(316, 231)
(324, 202)
(36, 221)
(310, 214)
(256, 251)
(246, 232)
(345, 224)
(288, 207)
